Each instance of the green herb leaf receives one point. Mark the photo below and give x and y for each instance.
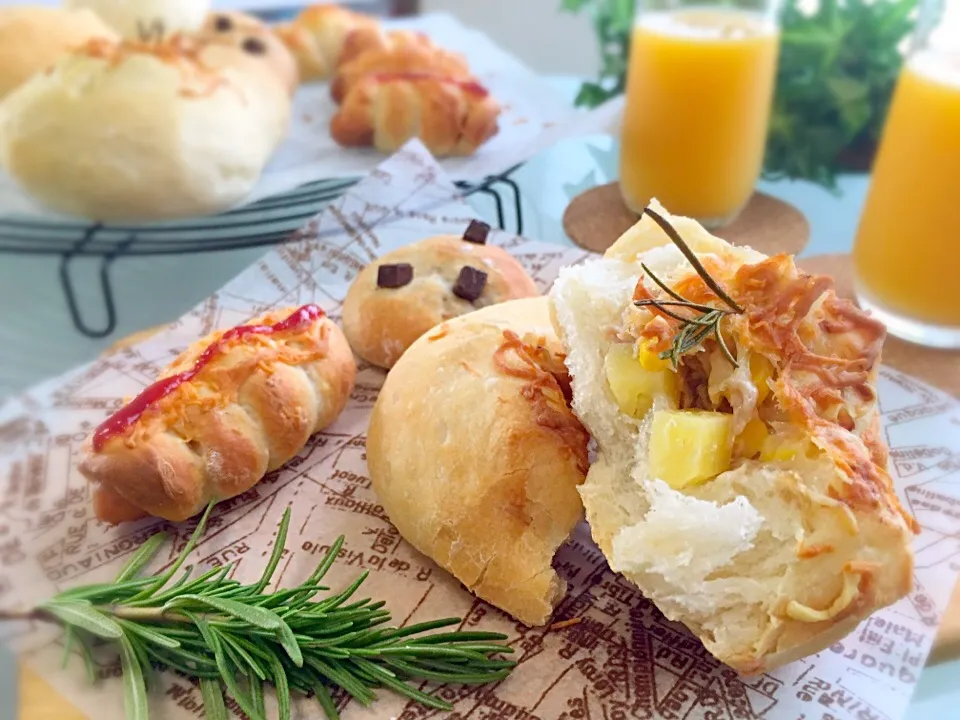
(134, 687)
(220, 631)
(213, 705)
(256, 616)
(141, 557)
(85, 617)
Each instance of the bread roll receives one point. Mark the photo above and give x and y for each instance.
(476, 457)
(373, 38)
(141, 132)
(317, 35)
(147, 20)
(451, 117)
(33, 38)
(249, 401)
(382, 320)
(750, 502)
(258, 46)
(403, 59)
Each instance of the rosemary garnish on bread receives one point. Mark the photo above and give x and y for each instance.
(694, 329)
(242, 637)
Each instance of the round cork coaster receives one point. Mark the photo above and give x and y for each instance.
(940, 368)
(596, 218)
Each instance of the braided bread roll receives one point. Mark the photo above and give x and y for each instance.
(232, 407)
(404, 57)
(385, 111)
(317, 35)
(374, 38)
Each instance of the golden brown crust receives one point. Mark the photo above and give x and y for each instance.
(33, 38)
(372, 38)
(248, 411)
(466, 467)
(451, 117)
(382, 323)
(398, 59)
(317, 35)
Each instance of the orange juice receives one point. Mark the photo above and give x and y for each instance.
(907, 253)
(699, 90)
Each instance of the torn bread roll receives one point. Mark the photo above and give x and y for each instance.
(232, 407)
(476, 457)
(749, 501)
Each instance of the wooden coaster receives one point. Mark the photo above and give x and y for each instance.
(595, 219)
(940, 368)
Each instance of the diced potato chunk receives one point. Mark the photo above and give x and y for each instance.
(650, 359)
(633, 387)
(781, 449)
(761, 371)
(751, 438)
(688, 447)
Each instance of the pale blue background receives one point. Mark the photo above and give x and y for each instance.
(37, 339)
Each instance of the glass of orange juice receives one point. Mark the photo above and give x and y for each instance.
(699, 91)
(907, 250)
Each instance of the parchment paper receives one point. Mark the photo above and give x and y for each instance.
(534, 116)
(623, 660)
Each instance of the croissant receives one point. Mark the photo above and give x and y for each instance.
(451, 117)
(423, 58)
(229, 409)
(317, 35)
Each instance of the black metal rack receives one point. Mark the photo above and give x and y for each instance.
(270, 221)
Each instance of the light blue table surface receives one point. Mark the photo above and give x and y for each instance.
(37, 338)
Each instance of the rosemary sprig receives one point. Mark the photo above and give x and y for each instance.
(694, 329)
(237, 638)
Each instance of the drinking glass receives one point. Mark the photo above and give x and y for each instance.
(699, 89)
(907, 249)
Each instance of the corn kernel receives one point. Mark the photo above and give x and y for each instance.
(635, 388)
(752, 437)
(761, 371)
(689, 447)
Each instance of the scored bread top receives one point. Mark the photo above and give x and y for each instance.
(793, 544)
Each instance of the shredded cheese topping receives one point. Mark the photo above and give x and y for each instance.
(804, 613)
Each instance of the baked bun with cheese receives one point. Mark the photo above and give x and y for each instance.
(232, 407)
(147, 20)
(401, 295)
(317, 37)
(257, 45)
(134, 131)
(749, 501)
(476, 457)
(33, 38)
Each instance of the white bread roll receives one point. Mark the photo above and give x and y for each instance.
(147, 19)
(476, 457)
(141, 132)
(33, 38)
(799, 537)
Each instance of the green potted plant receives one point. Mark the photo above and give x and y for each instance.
(839, 61)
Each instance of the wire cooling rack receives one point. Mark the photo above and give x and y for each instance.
(270, 221)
